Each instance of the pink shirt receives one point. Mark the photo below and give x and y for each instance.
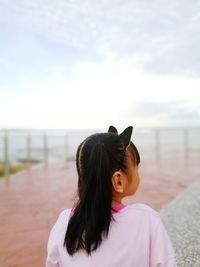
(137, 238)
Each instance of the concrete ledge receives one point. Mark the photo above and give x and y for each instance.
(182, 220)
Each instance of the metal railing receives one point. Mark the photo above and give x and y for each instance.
(45, 151)
(158, 146)
(31, 154)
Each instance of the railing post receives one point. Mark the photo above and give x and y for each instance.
(6, 154)
(28, 150)
(66, 147)
(45, 148)
(186, 142)
(157, 143)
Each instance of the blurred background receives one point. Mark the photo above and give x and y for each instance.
(21, 149)
(69, 68)
(72, 66)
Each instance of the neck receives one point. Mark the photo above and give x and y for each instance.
(115, 202)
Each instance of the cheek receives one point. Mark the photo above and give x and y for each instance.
(135, 183)
(138, 180)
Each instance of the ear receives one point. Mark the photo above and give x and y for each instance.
(118, 182)
(112, 129)
(126, 135)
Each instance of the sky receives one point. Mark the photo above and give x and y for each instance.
(72, 64)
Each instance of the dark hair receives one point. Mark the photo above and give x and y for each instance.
(97, 158)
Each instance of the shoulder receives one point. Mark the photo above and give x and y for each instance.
(143, 208)
(59, 227)
(62, 220)
(142, 211)
(65, 213)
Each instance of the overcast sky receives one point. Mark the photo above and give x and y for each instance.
(92, 63)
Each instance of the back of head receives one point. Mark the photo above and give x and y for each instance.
(97, 158)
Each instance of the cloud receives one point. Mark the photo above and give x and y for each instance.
(104, 56)
(173, 113)
(28, 57)
(165, 37)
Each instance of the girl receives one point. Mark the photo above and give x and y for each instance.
(100, 231)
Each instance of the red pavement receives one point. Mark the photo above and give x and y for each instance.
(31, 201)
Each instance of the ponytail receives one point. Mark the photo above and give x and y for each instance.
(92, 214)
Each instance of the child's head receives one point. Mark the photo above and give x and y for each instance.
(107, 170)
(113, 156)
